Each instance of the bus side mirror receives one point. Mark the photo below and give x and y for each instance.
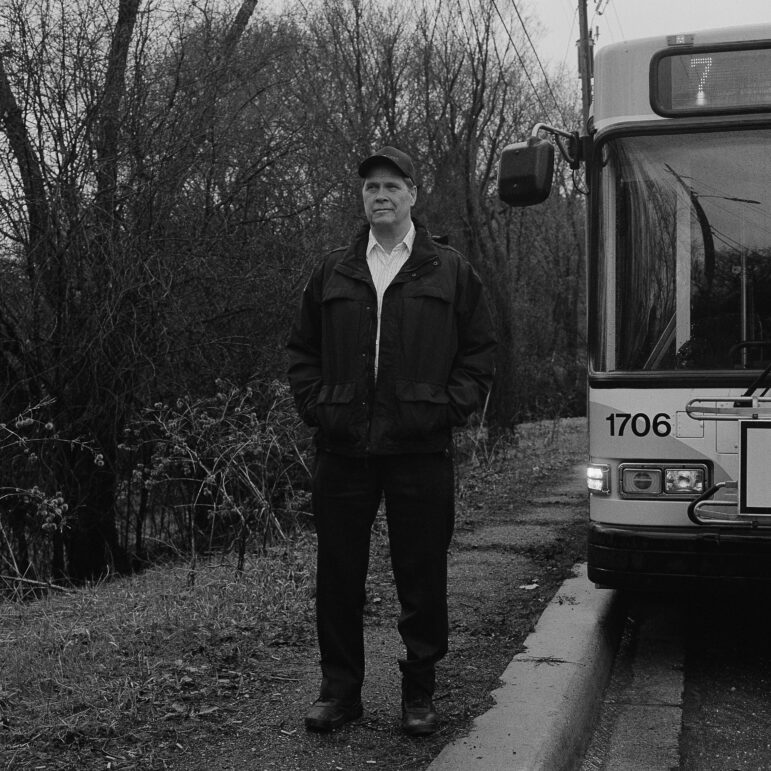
(525, 172)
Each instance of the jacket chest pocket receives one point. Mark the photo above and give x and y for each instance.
(428, 334)
(345, 322)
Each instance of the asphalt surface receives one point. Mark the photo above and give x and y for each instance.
(640, 720)
(727, 688)
(690, 686)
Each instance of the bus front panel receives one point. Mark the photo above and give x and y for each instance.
(680, 313)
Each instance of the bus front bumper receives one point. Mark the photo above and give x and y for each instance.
(673, 558)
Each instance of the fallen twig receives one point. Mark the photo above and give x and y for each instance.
(45, 584)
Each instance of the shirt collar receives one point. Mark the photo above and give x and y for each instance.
(408, 241)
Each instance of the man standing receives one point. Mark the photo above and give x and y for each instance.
(392, 347)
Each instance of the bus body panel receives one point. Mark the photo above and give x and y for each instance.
(621, 430)
(651, 544)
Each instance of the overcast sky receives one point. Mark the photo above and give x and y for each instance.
(624, 19)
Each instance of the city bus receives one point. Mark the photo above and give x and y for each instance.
(677, 158)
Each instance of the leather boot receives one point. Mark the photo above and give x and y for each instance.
(329, 714)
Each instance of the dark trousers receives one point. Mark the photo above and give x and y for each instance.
(418, 491)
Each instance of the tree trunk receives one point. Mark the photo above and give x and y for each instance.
(93, 549)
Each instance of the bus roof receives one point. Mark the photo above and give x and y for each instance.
(622, 70)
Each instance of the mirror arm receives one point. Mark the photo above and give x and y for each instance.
(571, 153)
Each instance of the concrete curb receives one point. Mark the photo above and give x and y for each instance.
(550, 693)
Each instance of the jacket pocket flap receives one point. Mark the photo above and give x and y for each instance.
(419, 289)
(412, 391)
(340, 393)
(333, 291)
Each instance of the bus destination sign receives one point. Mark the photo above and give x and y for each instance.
(712, 81)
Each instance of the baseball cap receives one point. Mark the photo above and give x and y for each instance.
(392, 156)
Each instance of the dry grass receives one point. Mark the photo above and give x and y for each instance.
(530, 454)
(104, 662)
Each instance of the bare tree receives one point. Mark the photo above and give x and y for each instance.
(83, 322)
(166, 181)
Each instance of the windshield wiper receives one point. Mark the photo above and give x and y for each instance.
(758, 382)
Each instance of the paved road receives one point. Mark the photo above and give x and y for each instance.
(691, 687)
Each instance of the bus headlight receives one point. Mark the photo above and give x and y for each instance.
(653, 480)
(643, 481)
(684, 481)
(598, 478)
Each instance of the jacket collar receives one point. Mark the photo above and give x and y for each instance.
(424, 252)
(407, 242)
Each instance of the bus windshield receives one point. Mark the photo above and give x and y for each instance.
(684, 257)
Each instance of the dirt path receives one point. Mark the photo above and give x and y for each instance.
(514, 545)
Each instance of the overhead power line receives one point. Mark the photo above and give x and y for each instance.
(571, 44)
(537, 58)
(545, 109)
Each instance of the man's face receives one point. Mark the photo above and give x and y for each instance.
(388, 198)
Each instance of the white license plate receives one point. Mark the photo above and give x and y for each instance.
(755, 478)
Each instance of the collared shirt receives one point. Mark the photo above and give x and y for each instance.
(383, 266)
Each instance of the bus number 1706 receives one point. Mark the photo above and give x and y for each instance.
(640, 423)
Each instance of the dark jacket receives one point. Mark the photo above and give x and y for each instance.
(436, 351)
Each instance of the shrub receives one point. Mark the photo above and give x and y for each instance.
(229, 469)
(34, 512)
